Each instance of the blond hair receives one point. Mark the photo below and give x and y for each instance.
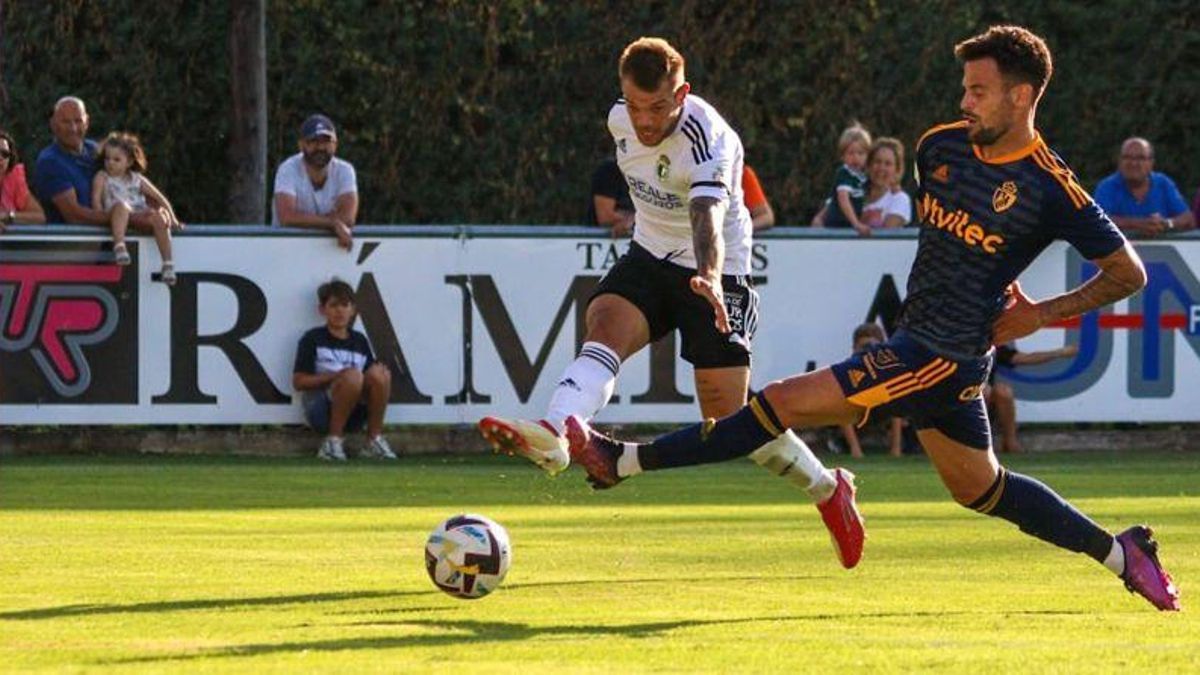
(855, 133)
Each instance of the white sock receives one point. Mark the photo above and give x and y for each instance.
(585, 386)
(1116, 558)
(790, 457)
(627, 463)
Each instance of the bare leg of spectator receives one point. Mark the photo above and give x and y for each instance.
(1005, 402)
(119, 223)
(851, 436)
(156, 223)
(346, 392)
(378, 390)
(896, 437)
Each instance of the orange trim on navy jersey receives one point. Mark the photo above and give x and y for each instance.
(1014, 155)
(941, 127)
(1064, 176)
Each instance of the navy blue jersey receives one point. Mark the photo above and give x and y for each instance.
(982, 223)
(320, 352)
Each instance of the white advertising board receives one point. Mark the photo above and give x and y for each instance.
(484, 324)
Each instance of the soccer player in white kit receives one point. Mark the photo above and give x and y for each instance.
(687, 269)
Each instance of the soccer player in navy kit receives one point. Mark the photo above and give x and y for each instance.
(992, 197)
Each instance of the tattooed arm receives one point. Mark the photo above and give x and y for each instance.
(1121, 275)
(708, 219)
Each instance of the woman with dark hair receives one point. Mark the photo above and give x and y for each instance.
(17, 203)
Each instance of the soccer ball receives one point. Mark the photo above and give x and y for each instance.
(468, 555)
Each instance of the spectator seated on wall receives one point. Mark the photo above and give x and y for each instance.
(845, 200)
(62, 175)
(17, 203)
(123, 191)
(63, 180)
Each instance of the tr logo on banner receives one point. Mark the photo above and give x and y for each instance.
(68, 324)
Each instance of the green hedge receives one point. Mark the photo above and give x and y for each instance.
(493, 111)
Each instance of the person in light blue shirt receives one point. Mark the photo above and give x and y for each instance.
(1141, 200)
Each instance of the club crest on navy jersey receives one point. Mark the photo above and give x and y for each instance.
(1004, 197)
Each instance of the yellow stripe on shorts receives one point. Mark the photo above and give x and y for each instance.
(902, 385)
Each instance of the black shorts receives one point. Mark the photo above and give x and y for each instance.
(662, 291)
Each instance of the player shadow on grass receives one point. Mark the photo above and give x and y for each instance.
(275, 600)
(213, 603)
(474, 632)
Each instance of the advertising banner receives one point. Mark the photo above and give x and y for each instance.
(476, 321)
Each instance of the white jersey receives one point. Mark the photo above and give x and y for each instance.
(702, 157)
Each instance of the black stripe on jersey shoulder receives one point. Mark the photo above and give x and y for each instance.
(710, 183)
(697, 148)
(696, 156)
(699, 131)
(620, 100)
(1052, 164)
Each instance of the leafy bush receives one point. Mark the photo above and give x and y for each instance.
(492, 111)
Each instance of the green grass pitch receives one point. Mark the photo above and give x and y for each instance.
(164, 564)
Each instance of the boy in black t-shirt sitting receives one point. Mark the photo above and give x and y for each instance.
(341, 384)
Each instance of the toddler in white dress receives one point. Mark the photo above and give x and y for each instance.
(122, 190)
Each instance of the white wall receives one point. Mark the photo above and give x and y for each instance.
(816, 291)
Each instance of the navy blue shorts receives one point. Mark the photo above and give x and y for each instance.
(317, 409)
(903, 378)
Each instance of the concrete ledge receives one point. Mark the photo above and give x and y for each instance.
(291, 441)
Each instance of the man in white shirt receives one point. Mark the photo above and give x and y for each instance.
(687, 270)
(313, 188)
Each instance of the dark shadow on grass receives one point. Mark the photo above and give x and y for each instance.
(657, 580)
(276, 600)
(388, 610)
(211, 603)
(474, 632)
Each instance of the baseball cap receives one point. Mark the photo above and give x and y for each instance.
(317, 125)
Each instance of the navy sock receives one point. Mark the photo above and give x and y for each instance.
(735, 436)
(1038, 511)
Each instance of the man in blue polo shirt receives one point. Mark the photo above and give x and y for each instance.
(1139, 199)
(62, 177)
